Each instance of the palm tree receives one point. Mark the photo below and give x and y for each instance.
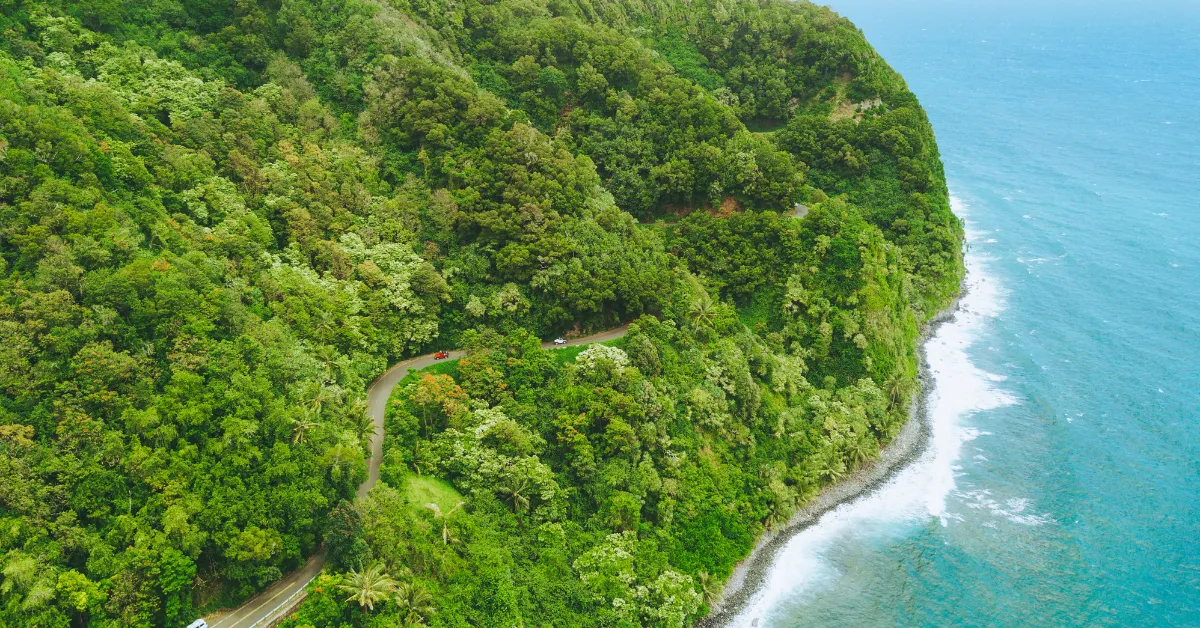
(415, 603)
(515, 496)
(339, 458)
(445, 517)
(897, 388)
(420, 457)
(327, 355)
(776, 517)
(359, 407)
(832, 466)
(702, 310)
(861, 449)
(368, 586)
(362, 423)
(326, 322)
(321, 395)
(301, 427)
(708, 587)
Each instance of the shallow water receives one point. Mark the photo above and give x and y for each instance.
(1063, 482)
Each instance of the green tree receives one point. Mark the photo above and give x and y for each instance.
(416, 605)
(368, 586)
(344, 545)
(444, 517)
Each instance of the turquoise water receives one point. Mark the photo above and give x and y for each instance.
(1063, 486)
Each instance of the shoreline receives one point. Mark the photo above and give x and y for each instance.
(750, 574)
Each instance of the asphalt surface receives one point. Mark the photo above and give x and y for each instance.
(262, 609)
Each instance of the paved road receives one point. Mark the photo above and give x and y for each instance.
(261, 609)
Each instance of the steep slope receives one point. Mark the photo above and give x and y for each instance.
(220, 220)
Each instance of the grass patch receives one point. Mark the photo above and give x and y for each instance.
(568, 354)
(445, 367)
(764, 126)
(422, 489)
(559, 355)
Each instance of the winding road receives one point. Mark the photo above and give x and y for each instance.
(266, 607)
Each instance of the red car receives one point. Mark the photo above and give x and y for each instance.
(441, 355)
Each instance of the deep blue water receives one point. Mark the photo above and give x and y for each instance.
(1064, 487)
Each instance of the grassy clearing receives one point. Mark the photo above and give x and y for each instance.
(445, 367)
(422, 489)
(568, 354)
(764, 126)
(450, 367)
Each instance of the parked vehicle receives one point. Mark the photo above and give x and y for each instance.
(441, 355)
(560, 341)
(199, 623)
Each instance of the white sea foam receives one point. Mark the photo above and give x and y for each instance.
(1014, 510)
(918, 492)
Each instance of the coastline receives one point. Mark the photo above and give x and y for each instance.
(914, 438)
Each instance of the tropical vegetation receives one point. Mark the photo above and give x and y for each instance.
(220, 220)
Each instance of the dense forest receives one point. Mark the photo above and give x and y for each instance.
(220, 220)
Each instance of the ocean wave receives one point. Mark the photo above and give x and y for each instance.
(919, 492)
(1012, 509)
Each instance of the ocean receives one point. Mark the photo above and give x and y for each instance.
(1062, 483)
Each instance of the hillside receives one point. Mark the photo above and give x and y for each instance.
(220, 221)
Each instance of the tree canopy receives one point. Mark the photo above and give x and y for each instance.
(221, 219)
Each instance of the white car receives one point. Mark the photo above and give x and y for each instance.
(199, 623)
(560, 341)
